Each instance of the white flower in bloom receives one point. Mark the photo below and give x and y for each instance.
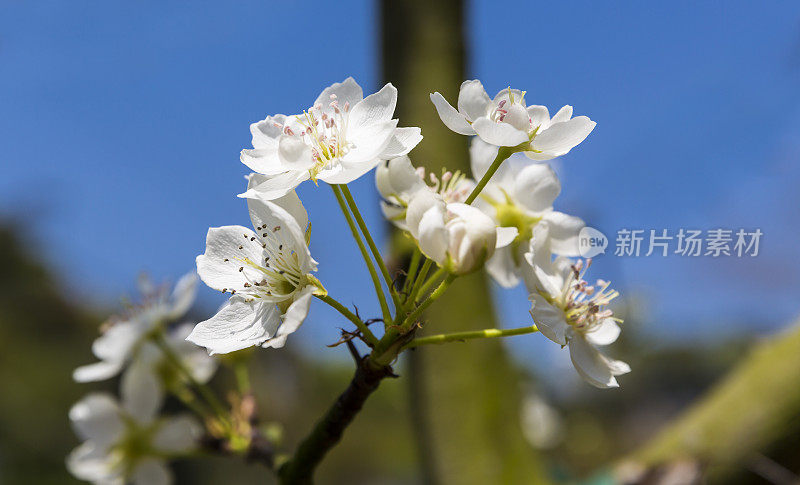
(521, 195)
(340, 138)
(127, 443)
(507, 121)
(397, 181)
(458, 237)
(267, 272)
(123, 335)
(150, 373)
(570, 312)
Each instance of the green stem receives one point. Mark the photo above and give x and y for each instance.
(376, 254)
(461, 336)
(190, 401)
(412, 295)
(502, 154)
(431, 281)
(204, 390)
(242, 377)
(439, 291)
(412, 269)
(368, 335)
(364, 254)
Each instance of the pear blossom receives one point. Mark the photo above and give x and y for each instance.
(267, 273)
(572, 313)
(340, 138)
(122, 335)
(150, 373)
(521, 194)
(457, 236)
(397, 181)
(127, 443)
(507, 121)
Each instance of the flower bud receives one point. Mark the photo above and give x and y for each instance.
(397, 181)
(458, 237)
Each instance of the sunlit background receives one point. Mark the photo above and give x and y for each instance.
(121, 124)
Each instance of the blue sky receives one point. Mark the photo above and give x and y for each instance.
(121, 124)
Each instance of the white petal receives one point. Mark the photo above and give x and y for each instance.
(540, 254)
(92, 463)
(99, 371)
(481, 155)
(266, 132)
(281, 225)
(560, 138)
(403, 141)
(396, 177)
(346, 92)
(479, 237)
(536, 187)
(223, 243)
(263, 160)
(540, 116)
(500, 134)
(151, 471)
(394, 214)
(294, 153)
(617, 367)
(277, 186)
(606, 333)
(433, 241)
(116, 342)
(183, 295)
(563, 233)
(141, 390)
(564, 114)
(177, 435)
(517, 116)
(201, 365)
(97, 418)
(419, 204)
(502, 269)
(473, 100)
(292, 319)
(549, 320)
(238, 325)
(368, 143)
(450, 116)
(516, 96)
(375, 108)
(289, 202)
(505, 236)
(593, 366)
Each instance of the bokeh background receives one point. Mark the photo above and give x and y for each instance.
(120, 127)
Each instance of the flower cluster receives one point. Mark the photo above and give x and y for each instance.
(127, 441)
(500, 217)
(461, 224)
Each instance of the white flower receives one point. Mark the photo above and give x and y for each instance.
(150, 373)
(122, 336)
(267, 272)
(570, 312)
(340, 138)
(458, 237)
(521, 194)
(127, 443)
(507, 121)
(397, 181)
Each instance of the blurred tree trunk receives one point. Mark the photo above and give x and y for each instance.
(730, 429)
(465, 397)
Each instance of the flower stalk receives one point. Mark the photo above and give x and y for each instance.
(364, 254)
(444, 338)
